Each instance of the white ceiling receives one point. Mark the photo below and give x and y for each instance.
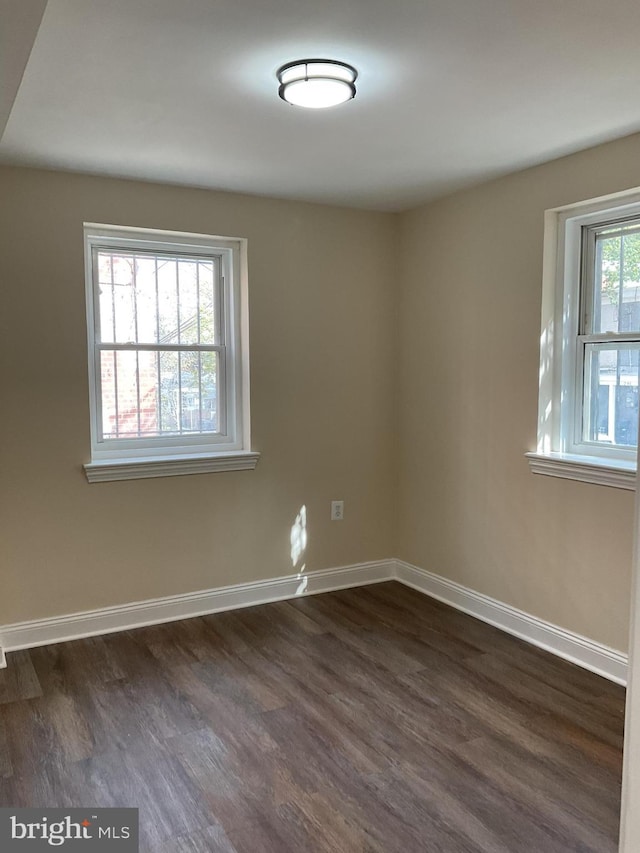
(450, 92)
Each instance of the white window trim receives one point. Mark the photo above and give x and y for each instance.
(178, 455)
(586, 469)
(168, 466)
(559, 452)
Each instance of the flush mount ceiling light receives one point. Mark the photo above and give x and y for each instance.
(317, 83)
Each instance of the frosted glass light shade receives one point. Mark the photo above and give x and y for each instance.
(317, 83)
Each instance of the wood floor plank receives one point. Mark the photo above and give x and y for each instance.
(66, 666)
(602, 759)
(211, 840)
(20, 680)
(370, 720)
(152, 780)
(599, 721)
(551, 801)
(237, 786)
(562, 675)
(446, 779)
(336, 827)
(6, 766)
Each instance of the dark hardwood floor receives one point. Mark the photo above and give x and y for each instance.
(372, 719)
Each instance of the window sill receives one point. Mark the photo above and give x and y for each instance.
(169, 466)
(586, 469)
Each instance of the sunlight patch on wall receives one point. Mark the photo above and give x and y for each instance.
(298, 547)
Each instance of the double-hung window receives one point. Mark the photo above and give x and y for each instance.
(167, 353)
(590, 343)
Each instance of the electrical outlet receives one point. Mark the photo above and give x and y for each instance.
(337, 510)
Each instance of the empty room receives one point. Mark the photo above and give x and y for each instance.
(320, 339)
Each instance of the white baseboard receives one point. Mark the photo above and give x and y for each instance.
(580, 650)
(594, 656)
(41, 632)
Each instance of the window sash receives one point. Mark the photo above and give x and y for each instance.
(588, 390)
(575, 420)
(220, 329)
(590, 235)
(221, 434)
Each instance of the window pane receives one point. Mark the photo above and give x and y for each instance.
(157, 298)
(206, 275)
(198, 392)
(145, 300)
(617, 280)
(611, 395)
(150, 394)
(128, 394)
(116, 314)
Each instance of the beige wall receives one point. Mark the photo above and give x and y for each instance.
(321, 317)
(404, 382)
(469, 508)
